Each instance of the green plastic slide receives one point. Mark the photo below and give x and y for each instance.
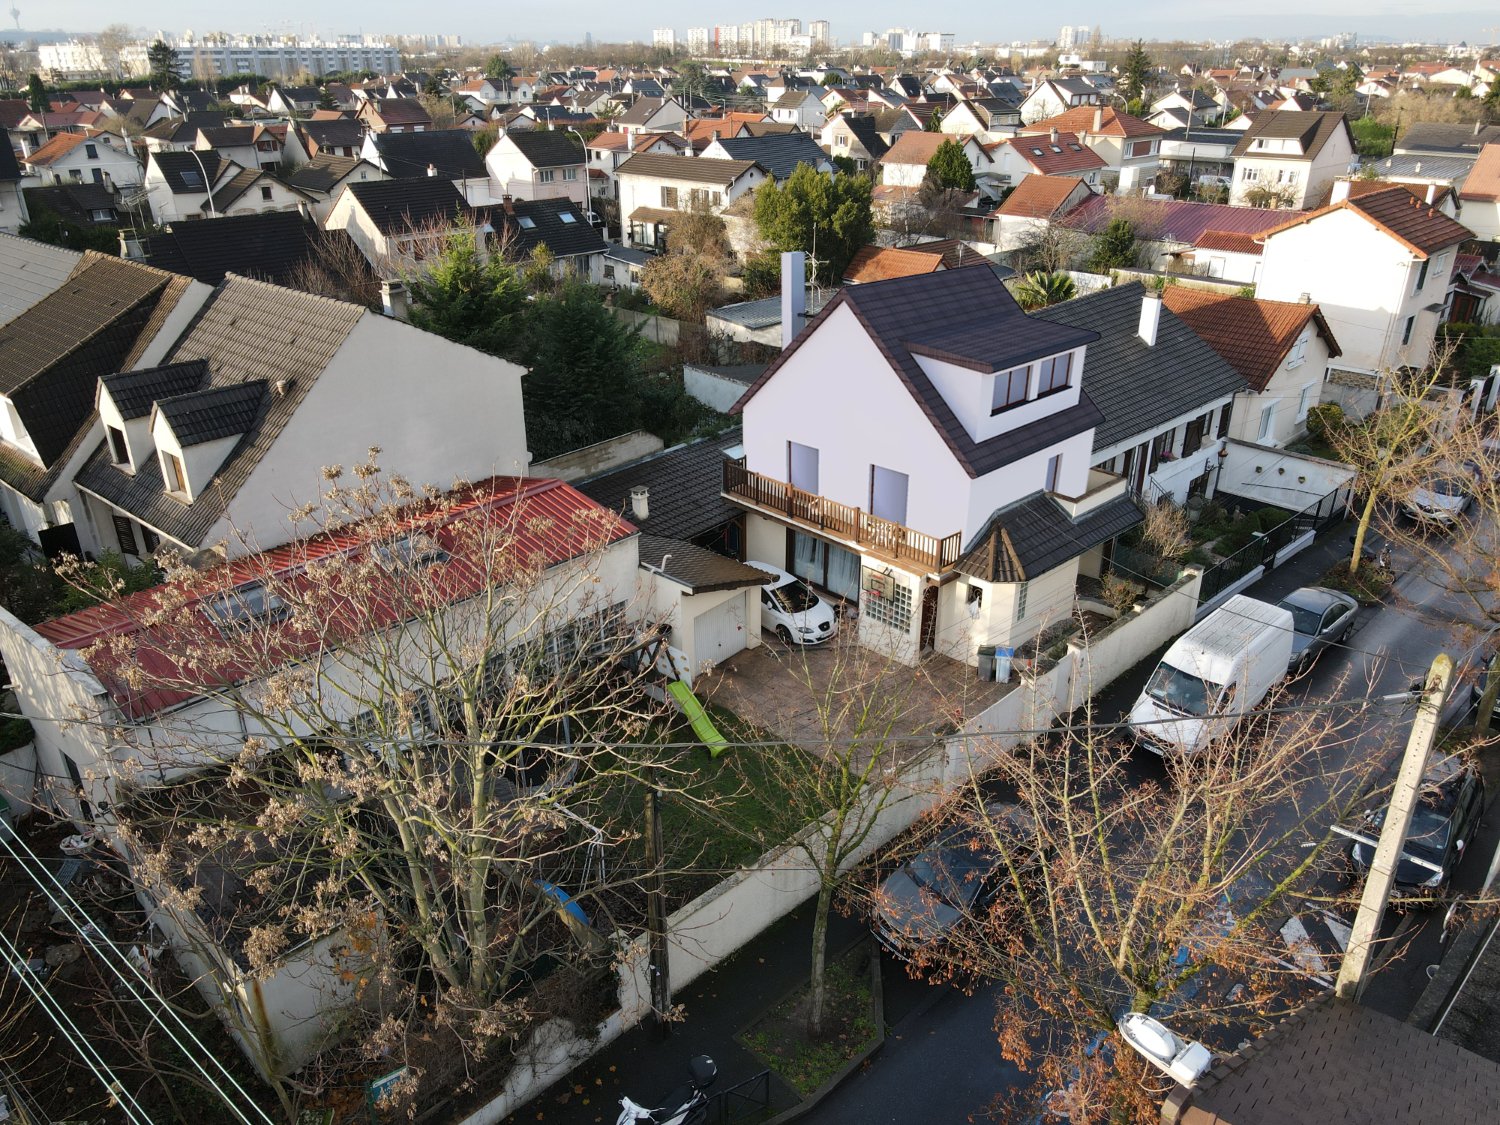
(702, 725)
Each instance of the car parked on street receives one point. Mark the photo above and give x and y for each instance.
(1445, 820)
(1442, 499)
(791, 610)
(1320, 617)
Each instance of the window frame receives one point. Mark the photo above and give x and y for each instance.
(1422, 276)
(173, 472)
(119, 448)
(1047, 369)
(1009, 377)
(1411, 325)
(1267, 426)
(1053, 472)
(545, 175)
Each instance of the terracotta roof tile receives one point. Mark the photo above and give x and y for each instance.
(1419, 226)
(1483, 184)
(1055, 157)
(1039, 196)
(1230, 241)
(1080, 119)
(1252, 335)
(917, 146)
(872, 263)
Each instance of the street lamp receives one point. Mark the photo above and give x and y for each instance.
(206, 185)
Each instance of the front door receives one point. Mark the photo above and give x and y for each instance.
(929, 618)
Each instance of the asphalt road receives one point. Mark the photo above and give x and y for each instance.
(943, 1063)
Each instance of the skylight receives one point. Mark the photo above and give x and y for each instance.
(243, 608)
(568, 217)
(527, 223)
(192, 180)
(411, 552)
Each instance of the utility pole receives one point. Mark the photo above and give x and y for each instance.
(1356, 967)
(656, 915)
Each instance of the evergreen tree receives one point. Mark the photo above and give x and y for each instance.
(498, 67)
(1137, 72)
(469, 300)
(36, 95)
(325, 99)
(1114, 246)
(833, 211)
(951, 168)
(162, 61)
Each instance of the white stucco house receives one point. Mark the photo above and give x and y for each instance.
(1298, 154)
(84, 158)
(654, 188)
(1129, 147)
(1481, 195)
(538, 164)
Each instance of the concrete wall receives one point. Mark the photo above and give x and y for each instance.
(657, 329)
(1275, 477)
(600, 457)
(712, 390)
(18, 778)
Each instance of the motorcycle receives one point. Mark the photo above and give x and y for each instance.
(686, 1105)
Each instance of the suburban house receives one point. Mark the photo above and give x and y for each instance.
(249, 146)
(855, 135)
(1475, 294)
(394, 115)
(1199, 152)
(1129, 147)
(609, 150)
(777, 153)
(654, 188)
(538, 164)
(398, 222)
(176, 133)
(306, 139)
(446, 153)
(290, 101)
(273, 246)
(79, 158)
(652, 115)
(1296, 154)
(84, 205)
(1439, 138)
(520, 226)
(801, 108)
(1281, 349)
(1164, 393)
(200, 184)
(992, 118)
(905, 164)
(323, 177)
(1049, 154)
(972, 529)
(1377, 265)
(1034, 204)
(1481, 195)
(111, 315)
(1052, 96)
(1184, 107)
(1176, 234)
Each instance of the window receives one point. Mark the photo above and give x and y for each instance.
(149, 539)
(567, 217)
(609, 272)
(546, 176)
(117, 447)
(1267, 422)
(1224, 415)
(802, 466)
(1054, 471)
(1021, 591)
(193, 181)
(888, 490)
(171, 468)
(887, 600)
(91, 151)
(1010, 388)
(1298, 355)
(102, 216)
(1052, 374)
(125, 534)
(1302, 403)
(412, 551)
(1192, 436)
(1249, 175)
(570, 173)
(526, 222)
(97, 174)
(1286, 176)
(1422, 274)
(1162, 446)
(265, 194)
(244, 607)
(669, 198)
(1411, 322)
(841, 140)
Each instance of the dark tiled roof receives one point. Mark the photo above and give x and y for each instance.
(338, 134)
(1313, 129)
(182, 130)
(270, 246)
(401, 111)
(1443, 139)
(967, 314)
(550, 225)
(697, 568)
(229, 136)
(1399, 213)
(694, 169)
(10, 168)
(867, 129)
(218, 412)
(1135, 385)
(641, 111)
(134, 392)
(1029, 537)
(1335, 1060)
(75, 203)
(779, 153)
(174, 164)
(398, 206)
(249, 331)
(547, 148)
(450, 151)
(323, 172)
(685, 482)
(231, 190)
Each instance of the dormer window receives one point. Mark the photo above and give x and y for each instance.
(1052, 374)
(119, 452)
(1011, 388)
(171, 471)
(245, 607)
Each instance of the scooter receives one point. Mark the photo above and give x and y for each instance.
(686, 1105)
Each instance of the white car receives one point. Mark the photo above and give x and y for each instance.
(790, 609)
(1443, 497)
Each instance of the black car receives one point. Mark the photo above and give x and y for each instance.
(923, 900)
(1445, 820)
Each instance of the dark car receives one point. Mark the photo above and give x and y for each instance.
(924, 899)
(1321, 617)
(1444, 822)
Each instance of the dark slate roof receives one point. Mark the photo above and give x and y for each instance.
(231, 190)
(397, 206)
(1312, 128)
(1136, 386)
(1443, 139)
(451, 151)
(135, 392)
(229, 136)
(334, 133)
(323, 172)
(219, 412)
(697, 568)
(174, 164)
(547, 148)
(1029, 537)
(968, 317)
(640, 111)
(685, 482)
(269, 246)
(550, 225)
(694, 169)
(867, 130)
(249, 331)
(75, 203)
(778, 153)
(183, 130)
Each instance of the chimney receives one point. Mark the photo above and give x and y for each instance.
(1150, 316)
(715, 134)
(793, 295)
(432, 169)
(510, 204)
(393, 300)
(1431, 192)
(640, 503)
(1054, 134)
(1098, 118)
(1340, 191)
(1477, 127)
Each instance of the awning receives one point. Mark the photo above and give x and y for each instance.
(654, 215)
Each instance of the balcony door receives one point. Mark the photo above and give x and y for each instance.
(824, 564)
(888, 494)
(802, 467)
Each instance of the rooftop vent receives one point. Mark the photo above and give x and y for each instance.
(640, 502)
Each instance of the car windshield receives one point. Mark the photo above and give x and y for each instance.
(1447, 486)
(1304, 620)
(794, 597)
(953, 874)
(1428, 837)
(1182, 692)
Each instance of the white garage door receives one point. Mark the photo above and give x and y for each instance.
(719, 633)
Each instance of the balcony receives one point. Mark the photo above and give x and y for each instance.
(858, 528)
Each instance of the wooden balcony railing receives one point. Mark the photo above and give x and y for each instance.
(818, 513)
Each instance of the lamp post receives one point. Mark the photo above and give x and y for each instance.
(207, 186)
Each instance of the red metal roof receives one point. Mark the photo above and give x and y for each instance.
(1177, 220)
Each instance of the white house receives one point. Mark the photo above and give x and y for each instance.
(652, 115)
(323, 177)
(905, 164)
(1052, 96)
(1282, 349)
(610, 149)
(1377, 265)
(1481, 195)
(801, 108)
(654, 188)
(176, 188)
(1128, 146)
(84, 158)
(1296, 154)
(249, 146)
(1049, 154)
(922, 450)
(538, 164)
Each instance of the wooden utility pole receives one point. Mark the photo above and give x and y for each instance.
(1356, 967)
(656, 916)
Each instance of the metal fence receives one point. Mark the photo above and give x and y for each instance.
(740, 1102)
(1263, 549)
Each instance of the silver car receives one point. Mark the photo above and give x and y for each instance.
(1321, 617)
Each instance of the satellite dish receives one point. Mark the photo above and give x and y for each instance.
(1181, 1059)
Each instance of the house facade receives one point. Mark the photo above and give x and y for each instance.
(653, 189)
(1295, 154)
(79, 158)
(1129, 147)
(1481, 195)
(538, 164)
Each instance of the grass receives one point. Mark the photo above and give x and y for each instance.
(780, 1036)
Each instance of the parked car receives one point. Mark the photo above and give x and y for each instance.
(1443, 498)
(1212, 675)
(923, 900)
(1445, 820)
(791, 610)
(1321, 617)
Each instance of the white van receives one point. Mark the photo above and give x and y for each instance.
(1215, 672)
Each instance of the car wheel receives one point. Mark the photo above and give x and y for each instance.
(783, 634)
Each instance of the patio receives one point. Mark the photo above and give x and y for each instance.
(788, 691)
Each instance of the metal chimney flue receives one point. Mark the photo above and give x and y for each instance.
(640, 502)
(793, 295)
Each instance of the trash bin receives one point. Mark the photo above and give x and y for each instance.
(986, 663)
(1003, 658)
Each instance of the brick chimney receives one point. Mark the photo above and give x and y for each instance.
(1054, 134)
(510, 206)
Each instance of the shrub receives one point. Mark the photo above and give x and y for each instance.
(1321, 419)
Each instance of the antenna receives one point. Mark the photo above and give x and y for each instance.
(15, 14)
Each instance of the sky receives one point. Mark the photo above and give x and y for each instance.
(612, 21)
